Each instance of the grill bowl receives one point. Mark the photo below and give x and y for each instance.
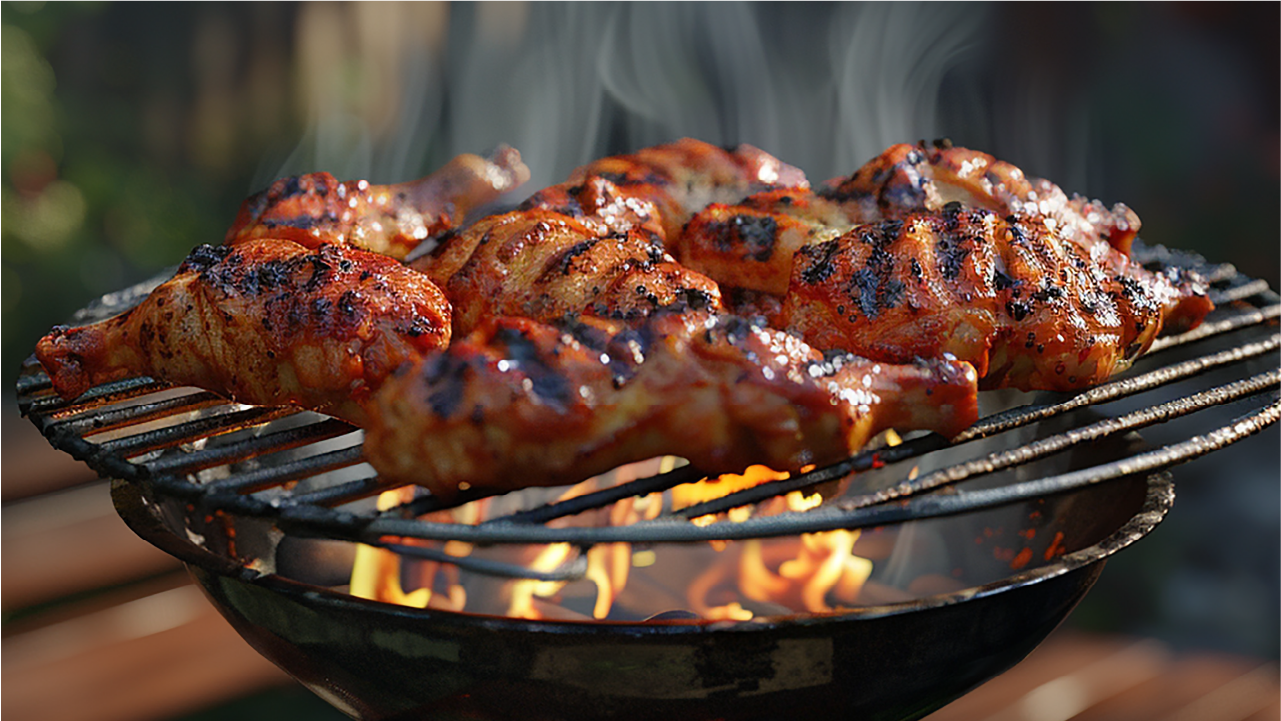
(897, 661)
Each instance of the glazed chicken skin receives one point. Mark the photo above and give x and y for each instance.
(659, 188)
(956, 278)
(265, 322)
(1026, 308)
(594, 245)
(769, 227)
(545, 266)
(520, 403)
(317, 209)
(908, 179)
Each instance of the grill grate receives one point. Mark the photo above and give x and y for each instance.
(278, 463)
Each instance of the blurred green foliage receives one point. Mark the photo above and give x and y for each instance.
(108, 174)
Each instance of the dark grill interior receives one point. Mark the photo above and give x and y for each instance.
(303, 472)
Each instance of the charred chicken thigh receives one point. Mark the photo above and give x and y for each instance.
(594, 244)
(544, 266)
(265, 322)
(520, 403)
(1028, 309)
(659, 188)
(316, 209)
(1036, 296)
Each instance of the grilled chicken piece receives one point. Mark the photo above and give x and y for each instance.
(266, 322)
(767, 228)
(750, 245)
(594, 244)
(315, 209)
(1028, 309)
(877, 266)
(908, 179)
(658, 189)
(520, 403)
(544, 265)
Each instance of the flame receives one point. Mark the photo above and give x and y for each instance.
(796, 573)
(376, 572)
(608, 565)
(806, 572)
(524, 591)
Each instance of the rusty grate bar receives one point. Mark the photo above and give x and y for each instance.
(106, 418)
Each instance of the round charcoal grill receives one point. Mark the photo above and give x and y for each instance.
(220, 485)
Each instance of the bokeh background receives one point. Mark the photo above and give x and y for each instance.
(132, 131)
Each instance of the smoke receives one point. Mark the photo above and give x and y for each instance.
(394, 90)
(889, 63)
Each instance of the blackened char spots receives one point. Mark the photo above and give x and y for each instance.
(418, 325)
(1001, 281)
(757, 234)
(322, 312)
(1019, 309)
(291, 186)
(546, 382)
(817, 261)
(902, 193)
(623, 180)
(349, 305)
(862, 290)
(892, 291)
(695, 299)
(204, 257)
(566, 261)
(874, 290)
(839, 195)
(320, 271)
(273, 274)
(445, 375)
(952, 253)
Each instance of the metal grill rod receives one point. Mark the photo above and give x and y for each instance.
(312, 512)
(311, 520)
(826, 518)
(1010, 420)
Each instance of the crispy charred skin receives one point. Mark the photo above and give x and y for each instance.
(750, 245)
(520, 403)
(316, 209)
(660, 188)
(265, 322)
(1028, 309)
(545, 265)
(892, 264)
(594, 245)
(754, 240)
(908, 179)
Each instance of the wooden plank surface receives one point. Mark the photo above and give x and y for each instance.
(129, 657)
(59, 544)
(1077, 677)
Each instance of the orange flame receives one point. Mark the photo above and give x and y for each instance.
(375, 572)
(798, 573)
